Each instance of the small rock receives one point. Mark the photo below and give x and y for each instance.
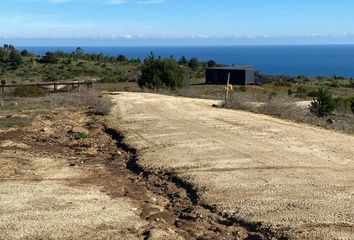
(152, 200)
(79, 130)
(47, 130)
(72, 163)
(330, 121)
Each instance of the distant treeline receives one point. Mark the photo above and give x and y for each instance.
(12, 57)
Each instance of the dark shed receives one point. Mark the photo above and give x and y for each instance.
(239, 75)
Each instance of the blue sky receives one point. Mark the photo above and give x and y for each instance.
(209, 22)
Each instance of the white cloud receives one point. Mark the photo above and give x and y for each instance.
(115, 2)
(151, 2)
(119, 2)
(106, 2)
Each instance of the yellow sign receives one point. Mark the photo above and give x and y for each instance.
(230, 88)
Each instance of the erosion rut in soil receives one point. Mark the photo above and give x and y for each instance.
(288, 178)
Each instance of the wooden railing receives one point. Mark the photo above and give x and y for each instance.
(74, 84)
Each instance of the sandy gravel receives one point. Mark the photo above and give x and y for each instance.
(53, 186)
(38, 203)
(297, 178)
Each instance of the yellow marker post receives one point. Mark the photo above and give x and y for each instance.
(227, 88)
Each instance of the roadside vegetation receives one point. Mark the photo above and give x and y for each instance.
(323, 101)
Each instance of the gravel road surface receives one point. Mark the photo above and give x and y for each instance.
(293, 178)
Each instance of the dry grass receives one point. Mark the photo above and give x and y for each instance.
(287, 108)
(95, 102)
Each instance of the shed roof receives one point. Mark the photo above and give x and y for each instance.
(240, 67)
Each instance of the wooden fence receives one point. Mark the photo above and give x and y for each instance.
(54, 85)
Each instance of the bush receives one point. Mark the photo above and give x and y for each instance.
(193, 63)
(312, 94)
(52, 78)
(301, 92)
(282, 84)
(323, 105)
(49, 57)
(157, 73)
(79, 135)
(28, 91)
(110, 79)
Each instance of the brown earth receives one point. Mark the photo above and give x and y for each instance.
(64, 177)
(290, 180)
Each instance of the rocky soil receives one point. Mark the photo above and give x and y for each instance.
(68, 176)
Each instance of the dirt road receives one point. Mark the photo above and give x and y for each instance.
(64, 178)
(292, 178)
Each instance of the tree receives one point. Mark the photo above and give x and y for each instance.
(323, 105)
(49, 57)
(121, 58)
(193, 63)
(79, 51)
(25, 53)
(15, 59)
(157, 73)
(212, 63)
(183, 61)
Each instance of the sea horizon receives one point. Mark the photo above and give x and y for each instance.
(278, 59)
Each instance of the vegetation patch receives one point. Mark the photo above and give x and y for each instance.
(28, 91)
(323, 105)
(11, 122)
(80, 135)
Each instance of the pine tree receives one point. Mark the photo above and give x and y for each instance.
(323, 105)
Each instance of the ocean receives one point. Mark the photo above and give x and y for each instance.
(310, 60)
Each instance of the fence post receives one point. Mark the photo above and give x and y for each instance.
(78, 86)
(55, 87)
(3, 83)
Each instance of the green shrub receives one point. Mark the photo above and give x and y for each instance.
(334, 83)
(50, 58)
(312, 94)
(110, 79)
(323, 105)
(301, 92)
(28, 91)
(343, 106)
(157, 73)
(282, 83)
(11, 122)
(80, 135)
(52, 78)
